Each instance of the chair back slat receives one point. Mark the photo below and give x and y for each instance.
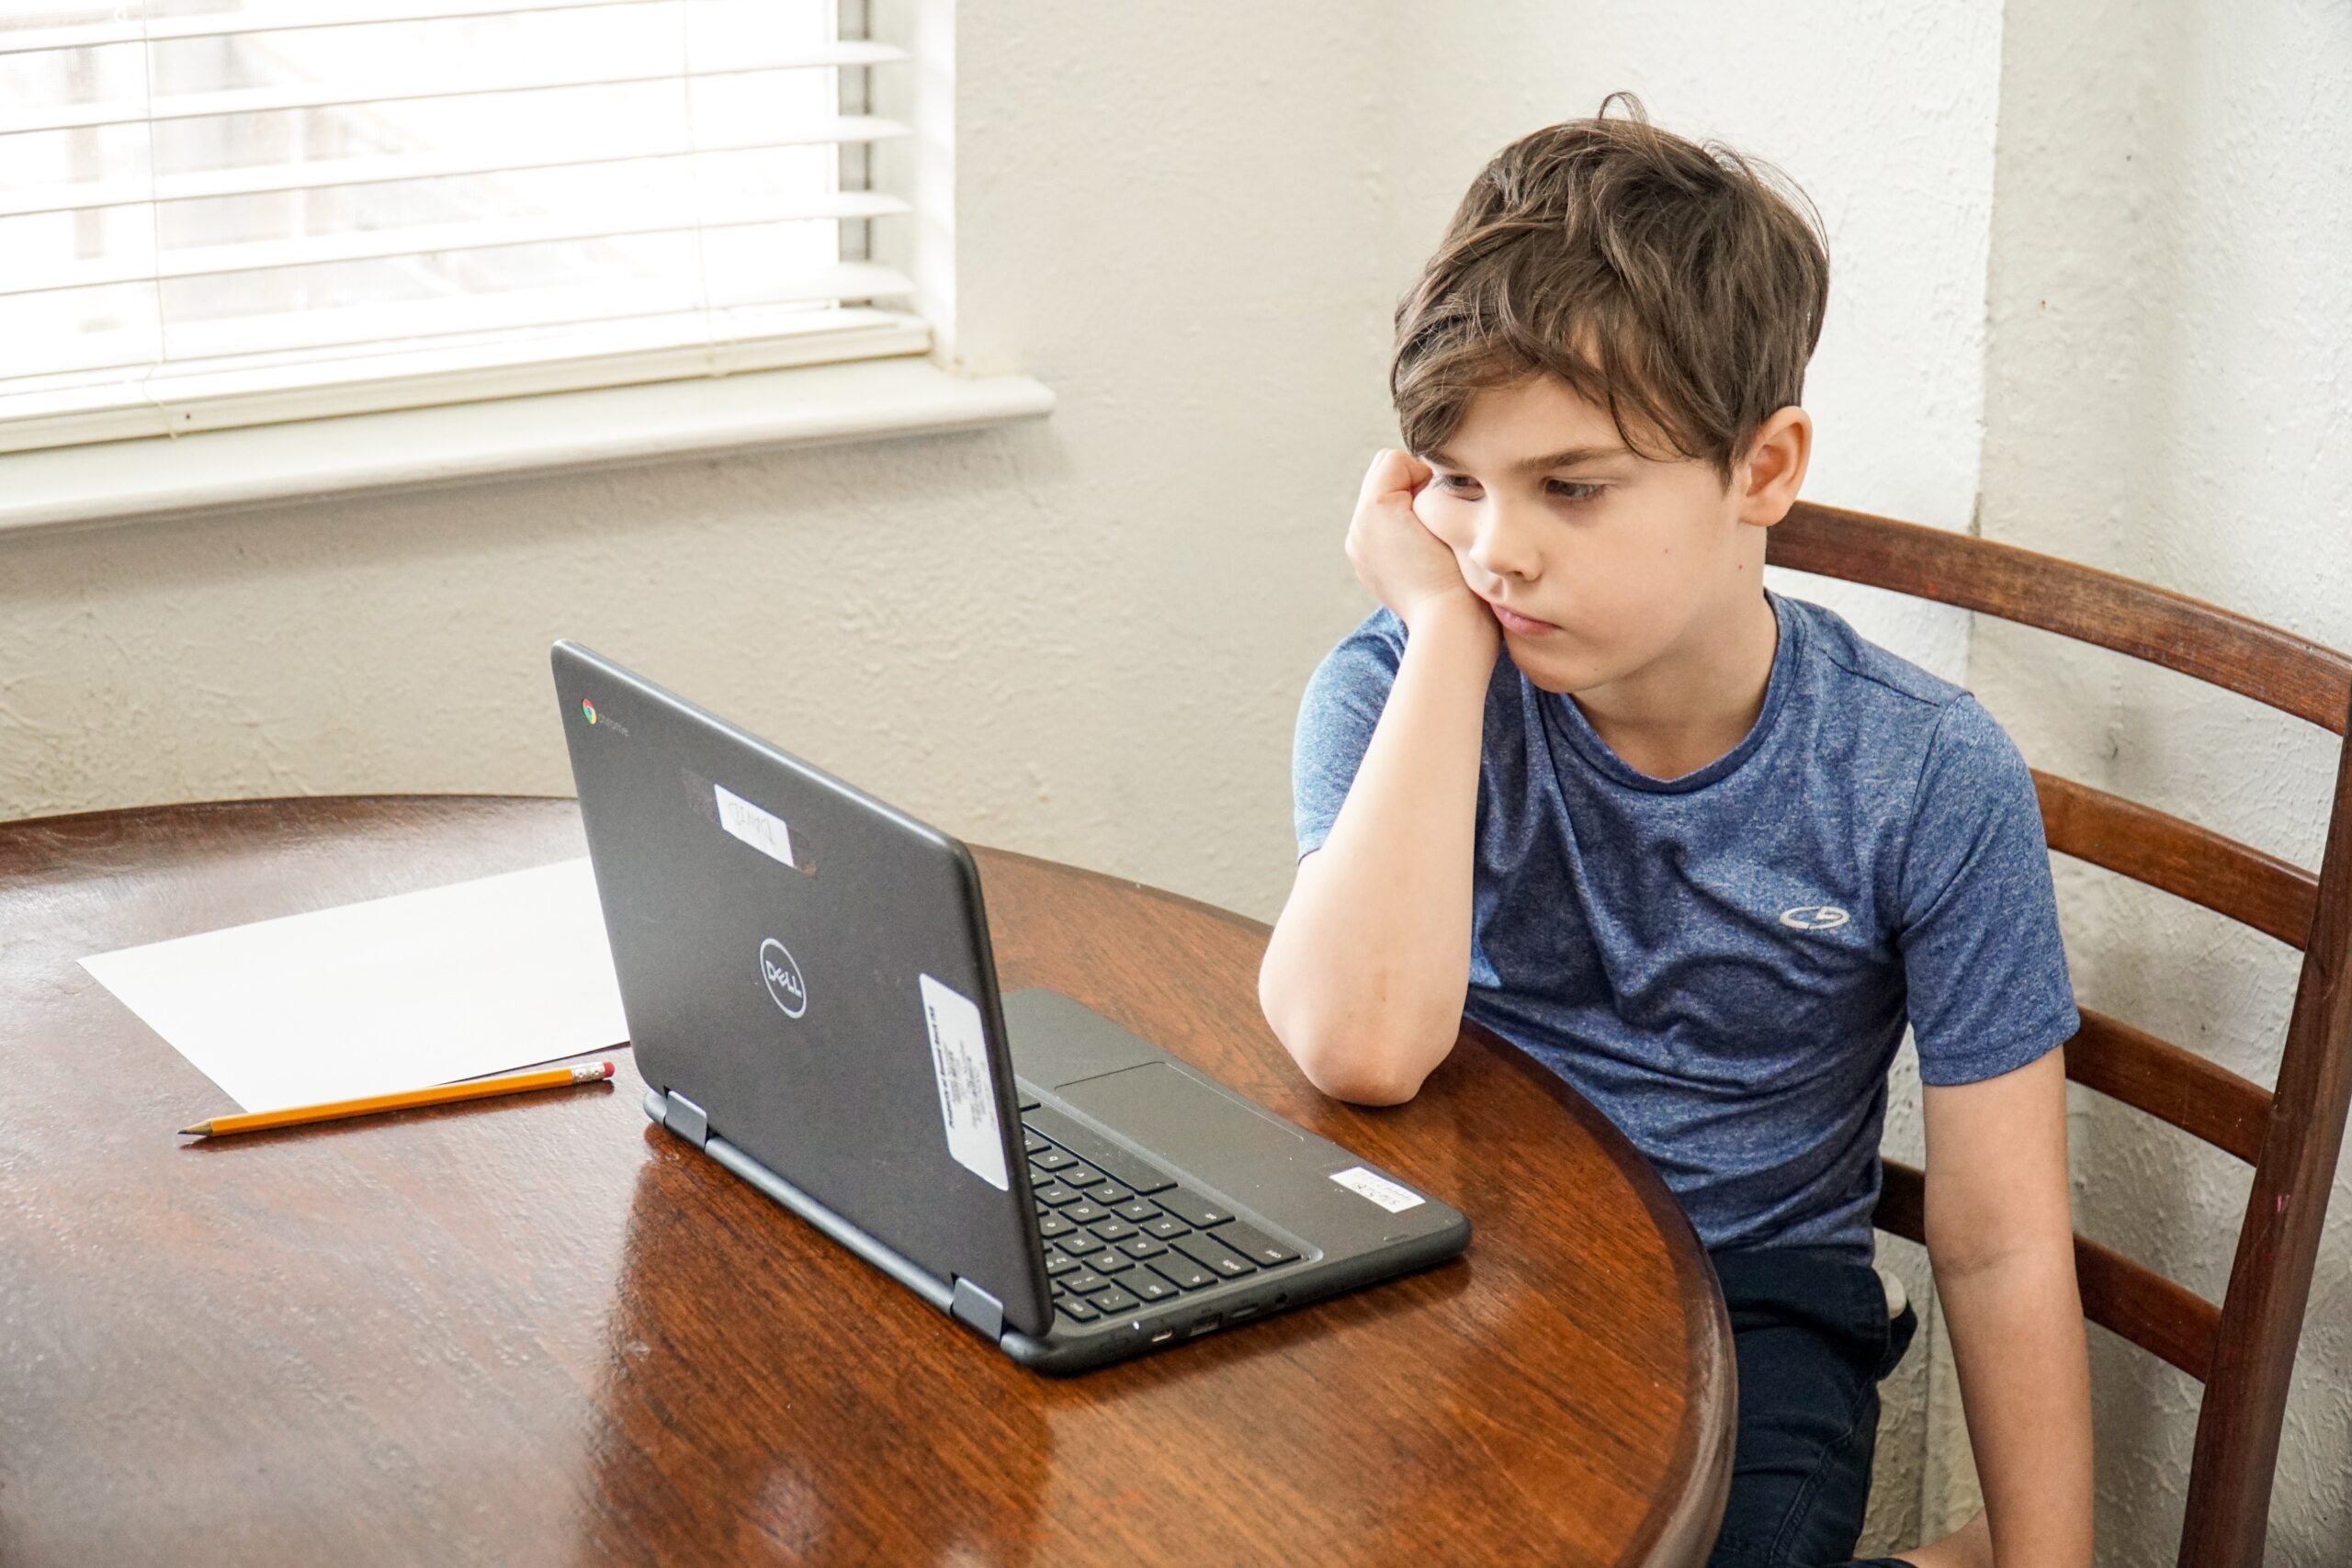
(2170, 1084)
(2189, 862)
(2262, 1314)
(2295, 675)
(2152, 1312)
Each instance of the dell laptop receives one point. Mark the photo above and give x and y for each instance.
(811, 1001)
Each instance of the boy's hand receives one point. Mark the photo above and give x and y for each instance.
(1407, 567)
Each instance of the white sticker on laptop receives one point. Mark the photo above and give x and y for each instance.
(959, 1060)
(1379, 1189)
(763, 830)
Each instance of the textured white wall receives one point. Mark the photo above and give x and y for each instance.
(1080, 638)
(2169, 396)
(1885, 115)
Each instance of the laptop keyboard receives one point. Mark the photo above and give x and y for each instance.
(1119, 1234)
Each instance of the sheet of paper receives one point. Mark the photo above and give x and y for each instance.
(396, 993)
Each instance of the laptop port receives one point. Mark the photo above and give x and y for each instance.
(1237, 1313)
(1202, 1326)
(1163, 1336)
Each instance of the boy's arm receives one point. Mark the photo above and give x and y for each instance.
(2002, 1242)
(1365, 976)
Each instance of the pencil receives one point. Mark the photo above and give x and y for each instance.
(440, 1094)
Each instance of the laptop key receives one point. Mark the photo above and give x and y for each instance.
(1128, 1169)
(1142, 1247)
(1150, 1286)
(1110, 1260)
(1051, 1224)
(1075, 1310)
(1085, 1212)
(1178, 1270)
(1214, 1255)
(1111, 1195)
(1193, 1208)
(1057, 1267)
(1081, 1175)
(1053, 1194)
(1254, 1244)
(1166, 1227)
(1113, 1300)
(1111, 1230)
(1085, 1283)
(1135, 1211)
(1031, 1143)
(1044, 1156)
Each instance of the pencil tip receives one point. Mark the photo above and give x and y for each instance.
(204, 1127)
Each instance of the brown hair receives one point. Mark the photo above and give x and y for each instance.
(1646, 271)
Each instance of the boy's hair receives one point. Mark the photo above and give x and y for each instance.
(1645, 271)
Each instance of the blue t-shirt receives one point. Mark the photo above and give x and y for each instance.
(1724, 962)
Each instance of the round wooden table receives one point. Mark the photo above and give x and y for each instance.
(541, 1330)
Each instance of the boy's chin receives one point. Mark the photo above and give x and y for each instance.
(1546, 674)
(1561, 672)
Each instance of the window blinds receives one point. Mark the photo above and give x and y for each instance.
(225, 211)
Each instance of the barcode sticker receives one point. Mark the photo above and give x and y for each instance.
(763, 830)
(1378, 1188)
(959, 1060)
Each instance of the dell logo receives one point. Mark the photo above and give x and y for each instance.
(1815, 918)
(783, 977)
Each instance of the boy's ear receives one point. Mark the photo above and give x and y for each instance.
(1768, 478)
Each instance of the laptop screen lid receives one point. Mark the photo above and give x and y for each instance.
(811, 969)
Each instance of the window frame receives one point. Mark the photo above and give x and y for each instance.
(881, 372)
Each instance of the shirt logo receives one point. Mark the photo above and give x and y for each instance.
(1815, 918)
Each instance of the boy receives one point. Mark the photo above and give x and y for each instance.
(1697, 847)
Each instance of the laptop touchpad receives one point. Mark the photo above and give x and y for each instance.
(1160, 1105)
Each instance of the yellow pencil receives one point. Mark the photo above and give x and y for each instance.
(441, 1094)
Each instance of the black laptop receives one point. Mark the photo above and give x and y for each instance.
(811, 1001)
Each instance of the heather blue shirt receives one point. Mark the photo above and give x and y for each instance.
(1724, 962)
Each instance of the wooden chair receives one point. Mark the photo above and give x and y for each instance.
(2244, 1350)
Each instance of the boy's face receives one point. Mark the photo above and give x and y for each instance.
(1598, 563)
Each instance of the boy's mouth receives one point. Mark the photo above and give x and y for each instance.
(1512, 621)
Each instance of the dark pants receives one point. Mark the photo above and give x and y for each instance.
(1812, 1340)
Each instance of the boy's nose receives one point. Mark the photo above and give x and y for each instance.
(1503, 548)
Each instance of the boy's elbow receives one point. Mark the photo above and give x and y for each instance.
(1347, 1061)
(1360, 1084)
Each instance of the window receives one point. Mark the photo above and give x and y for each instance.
(220, 212)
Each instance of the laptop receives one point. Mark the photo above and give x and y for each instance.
(811, 1002)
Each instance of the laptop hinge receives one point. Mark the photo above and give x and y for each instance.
(976, 1307)
(686, 1118)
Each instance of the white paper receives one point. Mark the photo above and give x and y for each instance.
(959, 1060)
(396, 993)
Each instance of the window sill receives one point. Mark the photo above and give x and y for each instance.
(449, 443)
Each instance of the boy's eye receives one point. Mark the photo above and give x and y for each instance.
(1566, 490)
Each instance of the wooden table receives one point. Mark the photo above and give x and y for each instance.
(543, 1331)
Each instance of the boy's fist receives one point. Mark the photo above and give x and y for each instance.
(1407, 567)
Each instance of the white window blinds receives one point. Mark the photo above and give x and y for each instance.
(229, 211)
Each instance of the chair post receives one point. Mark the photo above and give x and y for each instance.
(2230, 1476)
